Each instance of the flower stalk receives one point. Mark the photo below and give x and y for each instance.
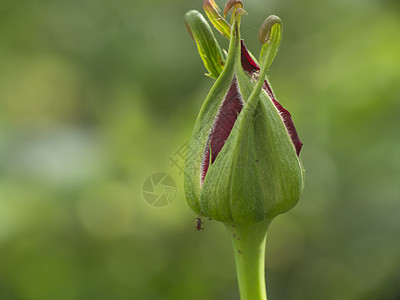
(249, 249)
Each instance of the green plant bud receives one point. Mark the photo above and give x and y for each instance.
(243, 165)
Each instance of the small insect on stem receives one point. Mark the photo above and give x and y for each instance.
(199, 223)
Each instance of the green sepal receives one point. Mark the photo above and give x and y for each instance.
(270, 36)
(210, 52)
(219, 22)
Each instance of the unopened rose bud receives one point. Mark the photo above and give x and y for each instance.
(243, 166)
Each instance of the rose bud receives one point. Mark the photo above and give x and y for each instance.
(242, 165)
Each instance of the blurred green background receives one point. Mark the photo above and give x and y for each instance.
(95, 96)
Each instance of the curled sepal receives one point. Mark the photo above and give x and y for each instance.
(232, 3)
(212, 12)
(210, 52)
(270, 35)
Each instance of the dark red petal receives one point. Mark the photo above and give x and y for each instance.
(287, 120)
(222, 127)
(250, 66)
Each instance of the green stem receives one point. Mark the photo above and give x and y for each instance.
(249, 249)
